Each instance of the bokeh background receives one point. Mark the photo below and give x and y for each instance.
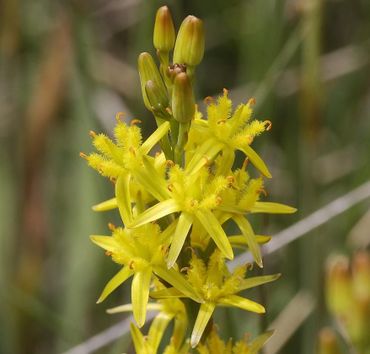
(67, 67)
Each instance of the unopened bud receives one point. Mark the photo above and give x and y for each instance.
(328, 343)
(148, 71)
(157, 100)
(361, 276)
(164, 30)
(339, 296)
(183, 103)
(189, 47)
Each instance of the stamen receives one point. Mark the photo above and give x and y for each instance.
(120, 115)
(184, 269)
(135, 121)
(170, 187)
(83, 155)
(221, 121)
(230, 180)
(111, 226)
(131, 265)
(251, 101)
(108, 253)
(218, 200)
(268, 125)
(225, 91)
(245, 164)
(208, 100)
(92, 134)
(263, 191)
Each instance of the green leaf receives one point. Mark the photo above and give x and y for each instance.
(204, 314)
(115, 282)
(156, 212)
(241, 302)
(140, 294)
(215, 230)
(272, 208)
(182, 230)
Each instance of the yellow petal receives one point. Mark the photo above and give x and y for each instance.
(255, 281)
(157, 329)
(107, 243)
(152, 306)
(178, 281)
(138, 339)
(204, 314)
(205, 153)
(140, 294)
(156, 212)
(106, 205)
(166, 293)
(155, 138)
(182, 230)
(215, 230)
(250, 237)
(122, 188)
(255, 160)
(259, 342)
(241, 302)
(241, 242)
(272, 208)
(115, 282)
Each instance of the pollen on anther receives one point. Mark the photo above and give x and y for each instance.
(252, 101)
(108, 253)
(263, 191)
(92, 133)
(245, 163)
(225, 91)
(83, 155)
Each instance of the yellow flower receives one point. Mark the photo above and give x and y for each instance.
(215, 345)
(141, 251)
(214, 284)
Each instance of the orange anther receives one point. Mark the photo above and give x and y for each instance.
(230, 179)
(245, 163)
(208, 100)
(252, 101)
(225, 91)
(135, 121)
(92, 133)
(108, 253)
(83, 155)
(111, 226)
(170, 187)
(263, 191)
(218, 200)
(268, 124)
(131, 265)
(221, 121)
(120, 115)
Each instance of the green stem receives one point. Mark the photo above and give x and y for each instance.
(181, 141)
(165, 141)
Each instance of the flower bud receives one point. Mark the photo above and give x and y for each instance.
(339, 296)
(164, 30)
(157, 100)
(183, 103)
(189, 47)
(361, 276)
(148, 71)
(328, 343)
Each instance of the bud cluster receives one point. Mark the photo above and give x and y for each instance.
(348, 297)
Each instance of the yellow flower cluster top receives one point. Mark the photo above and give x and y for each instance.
(174, 202)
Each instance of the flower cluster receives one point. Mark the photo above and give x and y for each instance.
(177, 200)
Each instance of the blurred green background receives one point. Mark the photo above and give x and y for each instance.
(67, 67)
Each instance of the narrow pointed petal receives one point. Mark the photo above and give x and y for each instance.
(241, 302)
(255, 281)
(157, 329)
(123, 197)
(106, 205)
(169, 231)
(204, 314)
(182, 230)
(215, 230)
(153, 139)
(107, 243)
(206, 152)
(255, 160)
(272, 208)
(140, 294)
(241, 242)
(166, 293)
(115, 282)
(250, 237)
(139, 340)
(156, 212)
(257, 344)
(152, 306)
(178, 281)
